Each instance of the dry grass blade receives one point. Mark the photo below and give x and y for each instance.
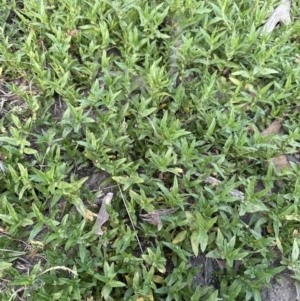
(59, 268)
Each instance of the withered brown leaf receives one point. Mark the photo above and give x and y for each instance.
(103, 216)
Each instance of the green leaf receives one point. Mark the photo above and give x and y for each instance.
(195, 242)
(37, 212)
(35, 231)
(220, 239)
(266, 71)
(256, 294)
(106, 290)
(78, 184)
(211, 128)
(213, 297)
(13, 214)
(128, 181)
(155, 259)
(30, 151)
(115, 283)
(235, 289)
(242, 73)
(78, 203)
(82, 252)
(21, 280)
(203, 239)
(252, 206)
(214, 254)
(293, 217)
(179, 237)
(184, 255)
(295, 251)
(7, 219)
(10, 140)
(5, 265)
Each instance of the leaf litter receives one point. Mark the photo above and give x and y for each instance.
(280, 162)
(103, 215)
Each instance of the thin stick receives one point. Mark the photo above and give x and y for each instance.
(137, 238)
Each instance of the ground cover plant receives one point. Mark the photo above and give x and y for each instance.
(184, 113)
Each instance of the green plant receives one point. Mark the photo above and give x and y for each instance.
(155, 97)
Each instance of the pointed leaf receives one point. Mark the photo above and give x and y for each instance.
(295, 252)
(179, 237)
(195, 243)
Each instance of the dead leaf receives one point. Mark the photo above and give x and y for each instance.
(281, 14)
(270, 229)
(103, 215)
(2, 230)
(280, 162)
(154, 217)
(89, 215)
(179, 170)
(158, 279)
(72, 33)
(221, 263)
(2, 167)
(273, 128)
(215, 182)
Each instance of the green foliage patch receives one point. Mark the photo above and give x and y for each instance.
(158, 95)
